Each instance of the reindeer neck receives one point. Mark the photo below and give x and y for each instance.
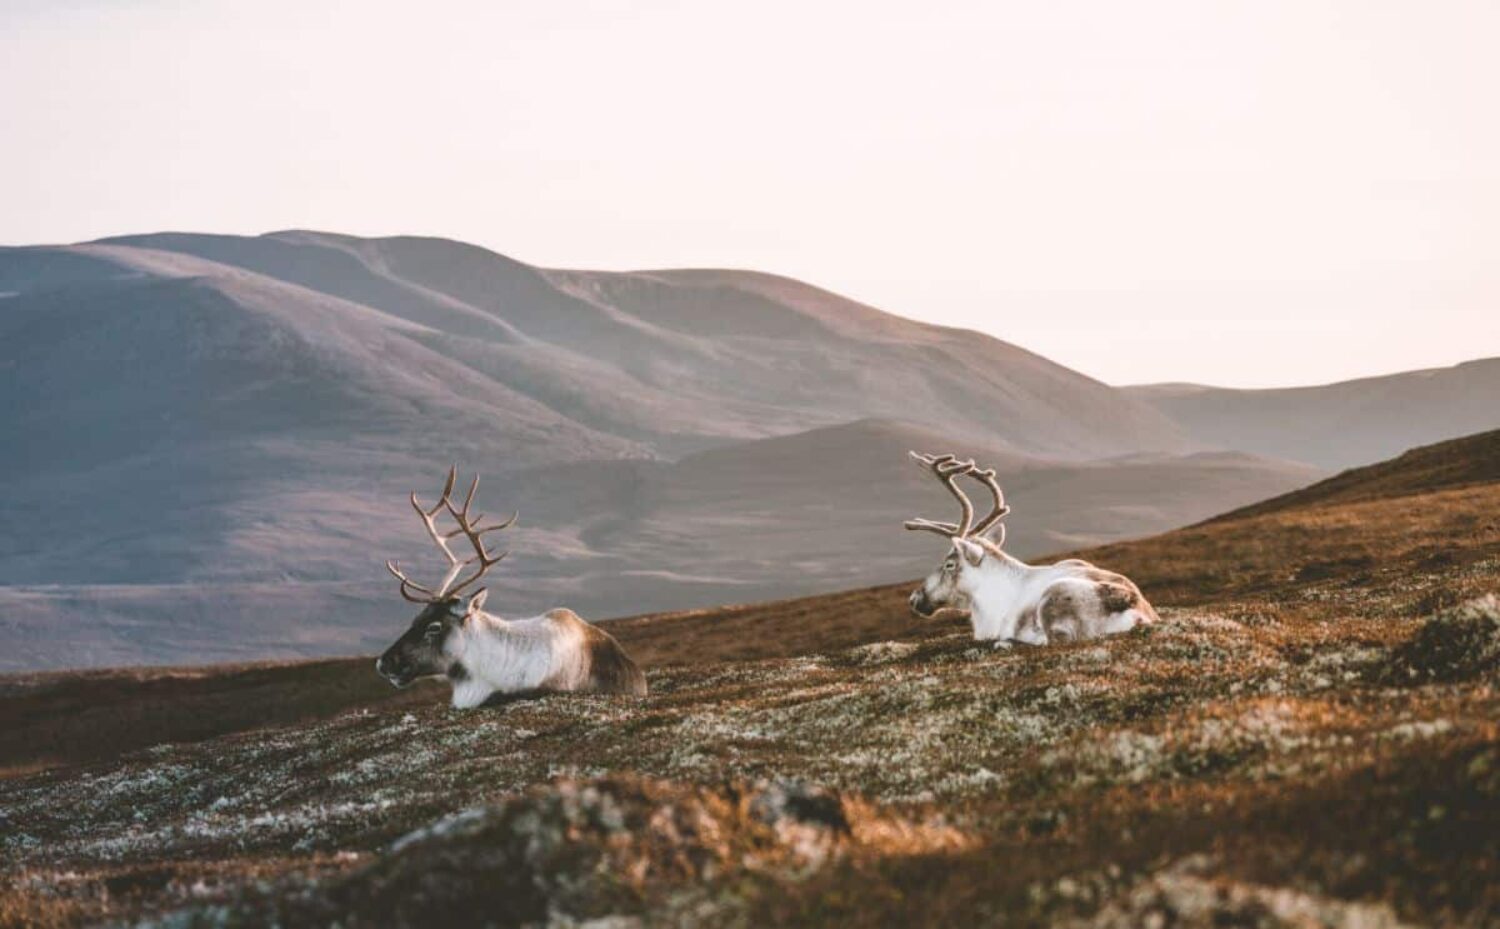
(489, 631)
(997, 561)
(994, 598)
(480, 625)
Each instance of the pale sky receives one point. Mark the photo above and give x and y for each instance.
(1243, 193)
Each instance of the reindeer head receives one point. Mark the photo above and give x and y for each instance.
(950, 586)
(425, 648)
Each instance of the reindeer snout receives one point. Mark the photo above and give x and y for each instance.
(390, 672)
(919, 602)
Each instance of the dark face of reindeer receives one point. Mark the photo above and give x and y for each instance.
(420, 652)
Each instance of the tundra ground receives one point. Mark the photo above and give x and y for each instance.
(1310, 737)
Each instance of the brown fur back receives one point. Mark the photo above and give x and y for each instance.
(1118, 593)
(610, 670)
(1067, 610)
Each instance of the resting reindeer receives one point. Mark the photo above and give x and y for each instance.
(1007, 599)
(481, 653)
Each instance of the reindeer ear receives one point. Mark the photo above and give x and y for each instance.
(972, 551)
(476, 602)
(997, 535)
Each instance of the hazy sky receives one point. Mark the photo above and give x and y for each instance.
(1258, 193)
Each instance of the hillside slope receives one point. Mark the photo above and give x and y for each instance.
(1305, 739)
(831, 502)
(715, 355)
(1338, 425)
(266, 576)
(1255, 552)
(211, 424)
(1456, 463)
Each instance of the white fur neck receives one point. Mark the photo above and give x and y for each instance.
(996, 589)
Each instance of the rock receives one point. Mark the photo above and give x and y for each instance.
(1457, 644)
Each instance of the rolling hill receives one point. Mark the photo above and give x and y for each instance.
(830, 501)
(690, 359)
(216, 434)
(1456, 463)
(1308, 737)
(1230, 561)
(748, 521)
(1338, 425)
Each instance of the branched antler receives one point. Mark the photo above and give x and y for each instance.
(948, 469)
(468, 526)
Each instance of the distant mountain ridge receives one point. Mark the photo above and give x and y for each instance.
(1342, 424)
(688, 359)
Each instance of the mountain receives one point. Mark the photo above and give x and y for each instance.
(830, 502)
(689, 359)
(216, 436)
(298, 573)
(1337, 425)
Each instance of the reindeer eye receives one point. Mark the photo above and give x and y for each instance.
(434, 630)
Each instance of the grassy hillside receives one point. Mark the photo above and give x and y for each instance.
(1461, 462)
(1309, 738)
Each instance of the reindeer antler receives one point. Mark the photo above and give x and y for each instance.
(948, 469)
(468, 527)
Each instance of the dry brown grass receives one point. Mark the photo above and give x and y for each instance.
(1404, 553)
(1297, 743)
(1464, 462)
(1392, 551)
(61, 718)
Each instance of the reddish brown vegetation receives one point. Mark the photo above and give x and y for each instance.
(1300, 742)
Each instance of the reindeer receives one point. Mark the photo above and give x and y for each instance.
(483, 654)
(1008, 600)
